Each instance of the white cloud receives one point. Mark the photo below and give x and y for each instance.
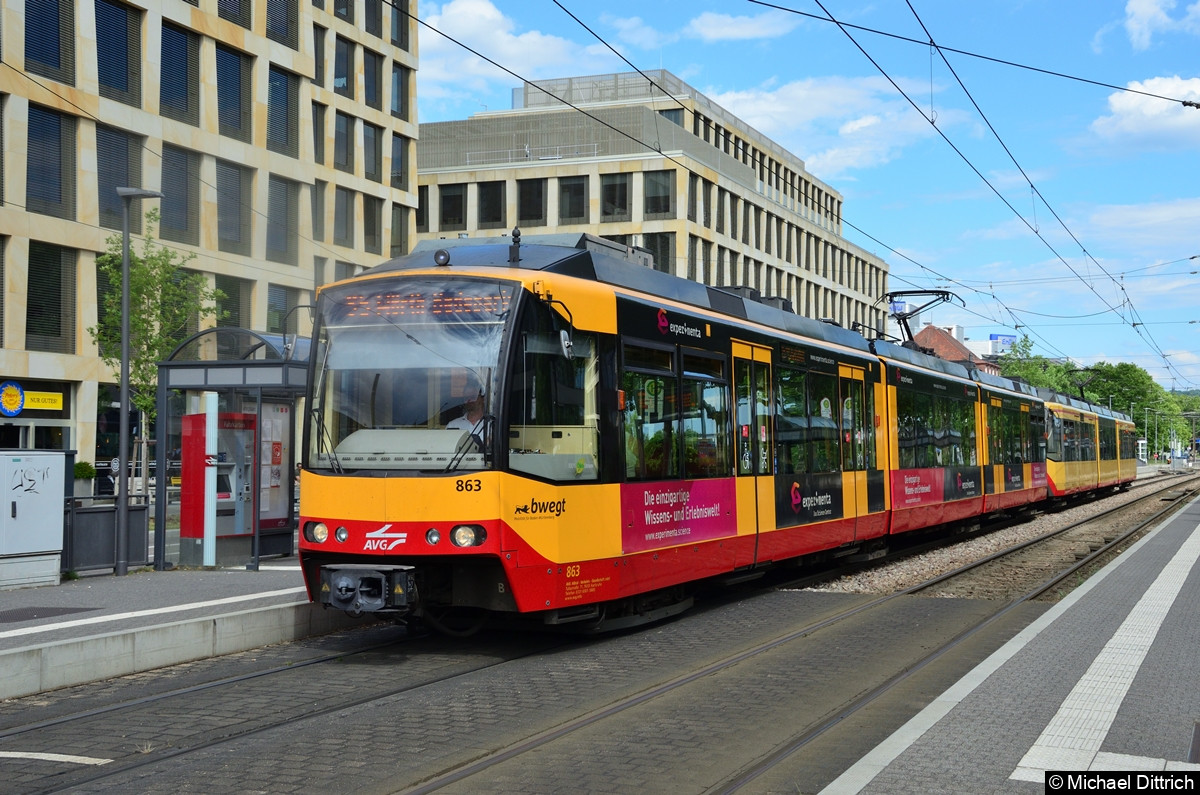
(710, 27)
(836, 124)
(451, 73)
(1145, 18)
(1147, 122)
(636, 33)
(1163, 226)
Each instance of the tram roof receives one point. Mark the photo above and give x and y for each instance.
(586, 256)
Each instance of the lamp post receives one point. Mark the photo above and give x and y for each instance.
(122, 563)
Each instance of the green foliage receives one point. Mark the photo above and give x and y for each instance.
(166, 301)
(1020, 363)
(84, 470)
(1124, 387)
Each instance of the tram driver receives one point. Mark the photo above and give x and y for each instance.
(472, 406)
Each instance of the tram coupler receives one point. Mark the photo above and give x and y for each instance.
(361, 588)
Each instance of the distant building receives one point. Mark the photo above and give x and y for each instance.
(949, 344)
(281, 133)
(711, 198)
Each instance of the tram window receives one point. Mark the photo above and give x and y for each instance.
(1087, 441)
(996, 432)
(791, 423)
(1054, 437)
(705, 419)
(967, 438)
(852, 425)
(705, 429)
(553, 415)
(822, 422)
(651, 451)
(869, 427)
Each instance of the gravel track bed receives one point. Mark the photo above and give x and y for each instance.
(1014, 575)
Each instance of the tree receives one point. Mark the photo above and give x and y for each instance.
(166, 301)
(1019, 362)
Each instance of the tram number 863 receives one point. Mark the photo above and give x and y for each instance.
(469, 484)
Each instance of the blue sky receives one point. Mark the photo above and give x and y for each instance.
(1082, 225)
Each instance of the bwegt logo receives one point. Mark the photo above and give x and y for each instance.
(542, 507)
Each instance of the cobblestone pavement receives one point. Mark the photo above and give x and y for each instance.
(688, 741)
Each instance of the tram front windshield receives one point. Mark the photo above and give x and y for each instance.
(406, 374)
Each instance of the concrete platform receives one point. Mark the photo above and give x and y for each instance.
(102, 626)
(1104, 681)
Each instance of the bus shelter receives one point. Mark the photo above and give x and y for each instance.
(228, 423)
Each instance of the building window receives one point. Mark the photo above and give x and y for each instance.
(491, 205)
(343, 270)
(343, 217)
(614, 197)
(319, 56)
(343, 67)
(181, 195)
(452, 215)
(573, 200)
(318, 209)
(373, 79)
(400, 23)
(50, 301)
(50, 39)
(343, 142)
(374, 9)
(179, 77)
(372, 152)
(344, 9)
(50, 171)
(422, 208)
(675, 116)
(318, 131)
(283, 95)
(235, 11)
(662, 246)
(372, 224)
(282, 23)
(660, 194)
(400, 77)
(233, 207)
(118, 164)
(280, 303)
(399, 246)
(399, 162)
(119, 52)
(233, 93)
(281, 219)
(531, 202)
(234, 309)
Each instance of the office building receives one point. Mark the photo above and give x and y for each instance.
(655, 164)
(281, 132)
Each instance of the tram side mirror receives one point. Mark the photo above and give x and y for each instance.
(568, 346)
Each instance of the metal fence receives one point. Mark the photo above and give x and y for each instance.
(90, 533)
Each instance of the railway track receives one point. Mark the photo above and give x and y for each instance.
(385, 674)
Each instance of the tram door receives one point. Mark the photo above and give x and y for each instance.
(754, 441)
(856, 436)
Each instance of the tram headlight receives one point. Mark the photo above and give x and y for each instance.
(341, 534)
(316, 532)
(433, 536)
(468, 535)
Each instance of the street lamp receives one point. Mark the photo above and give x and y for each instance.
(122, 564)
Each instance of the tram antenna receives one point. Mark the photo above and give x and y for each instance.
(514, 251)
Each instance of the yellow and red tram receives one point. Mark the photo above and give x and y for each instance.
(560, 432)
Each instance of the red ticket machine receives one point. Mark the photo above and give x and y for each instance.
(234, 462)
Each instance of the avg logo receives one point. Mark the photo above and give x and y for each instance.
(797, 497)
(664, 325)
